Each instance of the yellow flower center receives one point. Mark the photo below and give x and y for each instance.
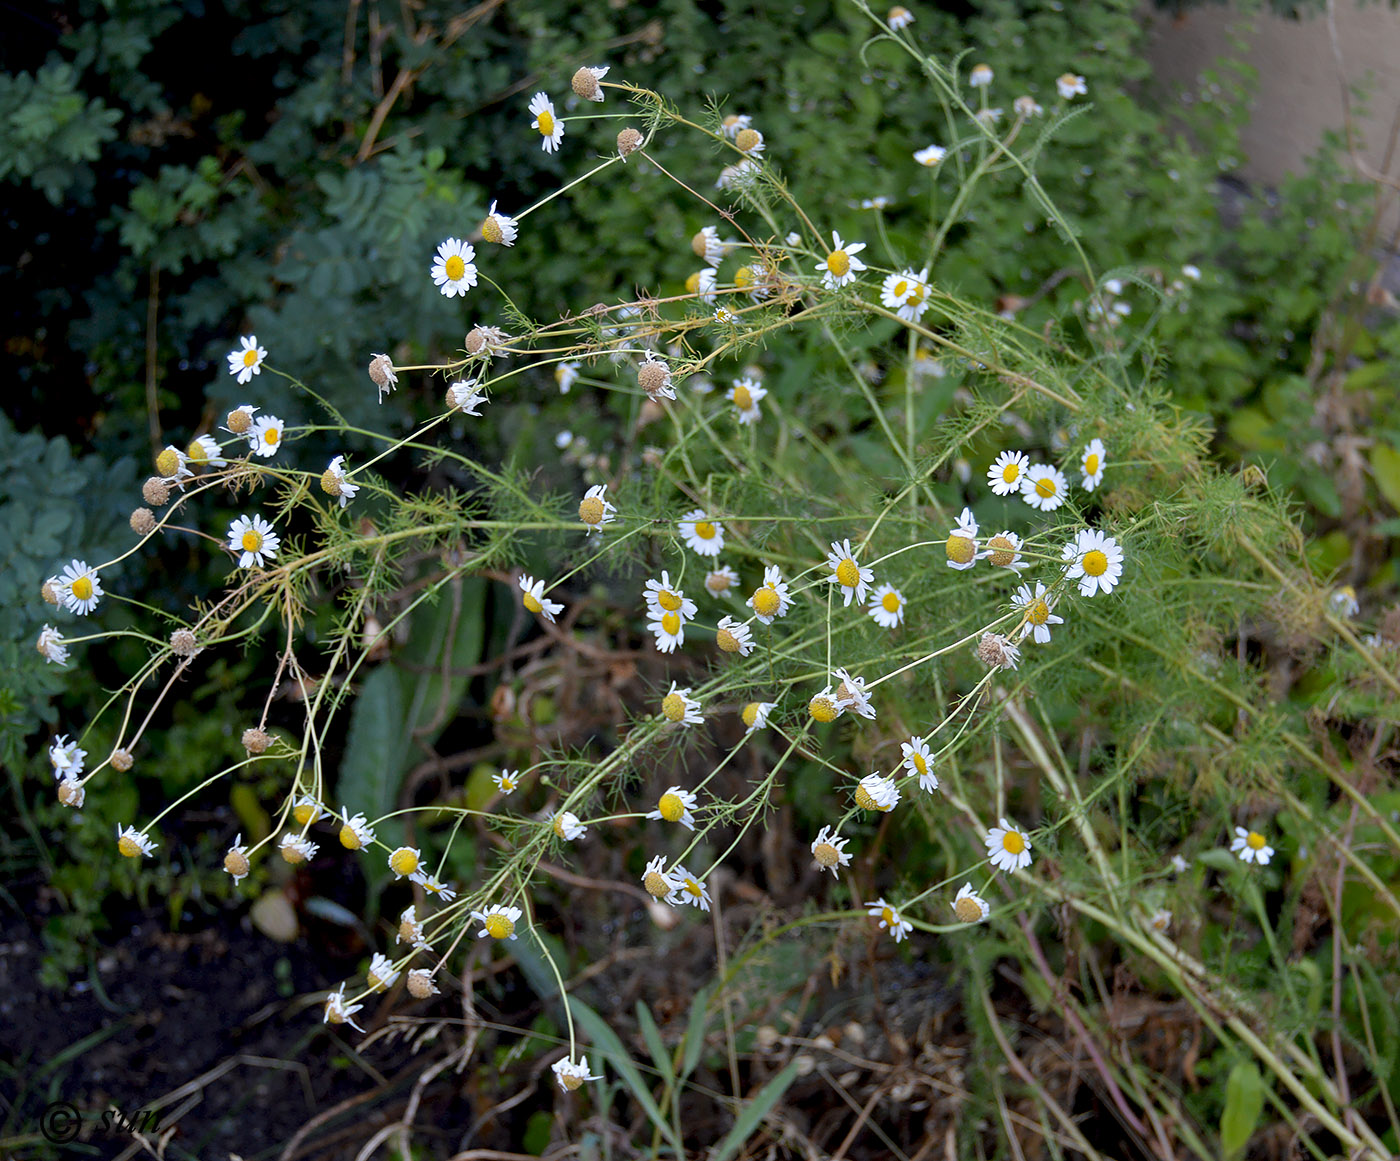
(766, 601)
(826, 855)
(693, 888)
(454, 268)
(293, 854)
(967, 909)
(507, 785)
(1011, 473)
(499, 926)
(916, 293)
(919, 764)
(822, 708)
(546, 123)
(671, 806)
(890, 602)
(236, 863)
(668, 600)
(727, 641)
(749, 713)
(590, 510)
(167, 463)
(839, 263)
(848, 573)
(656, 884)
(349, 839)
(746, 139)
(744, 277)
(129, 846)
(81, 588)
(491, 230)
(1012, 842)
(673, 707)
(1091, 464)
(532, 603)
(408, 931)
(330, 483)
(1255, 841)
(195, 452)
(743, 398)
(960, 549)
(901, 288)
(252, 541)
(1003, 551)
(403, 861)
(692, 284)
(558, 825)
(1095, 563)
(271, 436)
(1045, 487)
(671, 624)
(305, 813)
(889, 916)
(705, 530)
(1038, 611)
(250, 357)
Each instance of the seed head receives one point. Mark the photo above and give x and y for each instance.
(240, 421)
(420, 984)
(654, 378)
(155, 491)
(122, 760)
(48, 592)
(255, 741)
(142, 521)
(628, 141)
(996, 651)
(381, 374)
(236, 864)
(585, 83)
(71, 793)
(183, 643)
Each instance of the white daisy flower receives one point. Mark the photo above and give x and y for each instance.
(338, 1011)
(906, 293)
(663, 597)
(918, 760)
(596, 510)
(334, 481)
(356, 832)
(706, 245)
(1007, 472)
(719, 582)
(1095, 561)
(50, 645)
(1252, 847)
(295, 848)
(265, 436)
(737, 176)
(654, 377)
(434, 886)
(841, 265)
(66, 757)
(734, 637)
(930, 155)
(247, 361)
(997, 652)
(969, 906)
(382, 374)
(749, 141)
(703, 284)
(989, 116)
(407, 863)
(961, 545)
(889, 918)
(173, 465)
(252, 538)
(498, 922)
(585, 84)
(679, 708)
(675, 806)
(853, 579)
(570, 1075)
(532, 597)
(770, 600)
(899, 17)
(1044, 487)
(133, 844)
(205, 451)
(1026, 107)
(980, 77)
(411, 929)
(566, 375)
(551, 128)
(1008, 847)
(71, 793)
(1035, 608)
(876, 792)
(701, 534)
(734, 122)
(454, 268)
(466, 396)
(755, 715)
(382, 973)
(657, 880)
(688, 889)
(851, 694)
(79, 588)
(499, 229)
(236, 861)
(306, 810)
(1070, 85)
(825, 706)
(668, 629)
(567, 826)
(1091, 465)
(745, 395)
(1004, 551)
(887, 607)
(506, 781)
(830, 852)
(239, 420)
(1160, 921)
(755, 280)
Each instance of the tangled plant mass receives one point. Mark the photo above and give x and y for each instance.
(861, 626)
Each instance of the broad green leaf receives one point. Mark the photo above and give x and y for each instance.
(1385, 466)
(375, 758)
(1244, 1101)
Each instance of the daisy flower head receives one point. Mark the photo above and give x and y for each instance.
(484, 342)
(570, 1075)
(688, 889)
(969, 906)
(356, 832)
(50, 646)
(734, 637)
(734, 122)
(1160, 921)
(1252, 847)
(132, 843)
(706, 245)
(1007, 472)
(701, 534)
(173, 465)
(829, 850)
(407, 863)
(381, 974)
(745, 395)
(663, 597)
(899, 17)
(770, 600)
(996, 652)
(410, 929)
(1008, 847)
(737, 176)
(420, 984)
(720, 582)
(749, 141)
(1027, 107)
(454, 268)
(930, 155)
(876, 792)
(506, 781)
(889, 918)
(989, 116)
(566, 375)
(1091, 464)
(338, 1011)
(466, 396)
(961, 546)
(755, 715)
(1004, 551)
(668, 630)
(1036, 613)
(755, 280)
(825, 706)
(265, 436)
(253, 540)
(567, 826)
(296, 848)
(1095, 561)
(654, 377)
(657, 880)
(596, 510)
(240, 419)
(1342, 601)
(499, 229)
(247, 361)
(679, 708)
(585, 82)
(334, 482)
(887, 607)
(675, 806)
(307, 810)
(1070, 85)
(205, 451)
(382, 374)
(851, 694)
(550, 127)
(906, 293)
(497, 921)
(79, 588)
(1044, 487)
(435, 886)
(66, 757)
(918, 760)
(236, 861)
(703, 284)
(532, 597)
(726, 317)
(852, 578)
(980, 77)
(840, 265)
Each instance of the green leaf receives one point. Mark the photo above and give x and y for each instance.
(1385, 466)
(607, 1045)
(375, 757)
(753, 1112)
(695, 1030)
(655, 1044)
(1244, 1101)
